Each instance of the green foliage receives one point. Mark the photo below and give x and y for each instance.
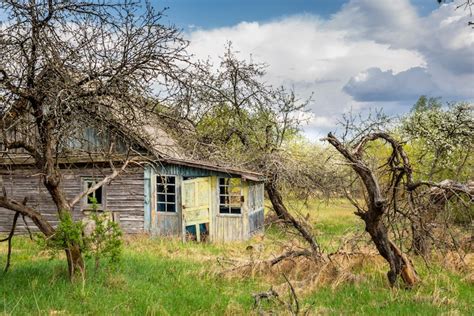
(103, 242)
(426, 104)
(242, 134)
(68, 233)
(440, 139)
(146, 283)
(143, 283)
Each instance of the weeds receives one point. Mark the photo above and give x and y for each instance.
(163, 276)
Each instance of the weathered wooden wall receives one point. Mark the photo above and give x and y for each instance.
(125, 195)
(223, 227)
(256, 207)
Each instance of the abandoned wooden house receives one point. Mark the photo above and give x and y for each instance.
(161, 193)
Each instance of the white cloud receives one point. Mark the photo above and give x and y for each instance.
(367, 41)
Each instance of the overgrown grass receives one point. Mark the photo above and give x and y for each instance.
(143, 283)
(167, 277)
(441, 292)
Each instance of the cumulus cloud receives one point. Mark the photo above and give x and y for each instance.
(377, 85)
(370, 53)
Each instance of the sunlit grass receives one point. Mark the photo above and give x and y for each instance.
(163, 276)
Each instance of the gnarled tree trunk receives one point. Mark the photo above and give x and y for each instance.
(282, 213)
(377, 206)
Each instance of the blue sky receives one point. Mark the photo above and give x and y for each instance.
(219, 13)
(354, 55)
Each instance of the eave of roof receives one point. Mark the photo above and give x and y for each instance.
(25, 160)
(245, 174)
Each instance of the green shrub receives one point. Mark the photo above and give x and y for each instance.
(103, 242)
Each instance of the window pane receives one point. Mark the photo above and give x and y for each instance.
(224, 209)
(170, 198)
(235, 199)
(223, 190)
(166, 193)
(170, 189)
(161, 188)
(161, 207)
(94, 196)
(234, 190)
(90, 198)
(235, 210)
(171, 207)
(224, 199)
(98, 195)
(230, 195)
(235, 182)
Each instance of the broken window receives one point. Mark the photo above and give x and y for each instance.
(166, 193)
(198, 232)
(230, 195)
(96, 198)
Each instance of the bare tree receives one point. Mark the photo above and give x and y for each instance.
(466, 5)
(377, 202)
(236, 118)
(393, 200)
(66, 65)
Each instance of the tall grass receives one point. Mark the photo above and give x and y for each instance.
(168, 277)
(143, 283)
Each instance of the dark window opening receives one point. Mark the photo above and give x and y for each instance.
(230, 195)
(94, 197)
(166, 194)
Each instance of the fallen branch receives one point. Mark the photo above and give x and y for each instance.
(104, 181)
(258, 297)
(290, 254)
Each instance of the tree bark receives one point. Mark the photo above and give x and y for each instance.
(282, 212)
(75, 262)
(377, 206)
(43, 225)
(379, 235)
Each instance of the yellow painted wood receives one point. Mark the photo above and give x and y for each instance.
(214, 199)
(196, 197)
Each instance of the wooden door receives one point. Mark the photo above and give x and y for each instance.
(196, 208)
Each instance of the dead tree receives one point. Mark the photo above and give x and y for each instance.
(378, 203)
(465, 5)
(69, 65)
(237, 119)
(282, 212)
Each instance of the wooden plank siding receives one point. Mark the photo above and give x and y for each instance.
(229, 227)
(256, 208)
(133, 198)
(124, 195)
(222, 227)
